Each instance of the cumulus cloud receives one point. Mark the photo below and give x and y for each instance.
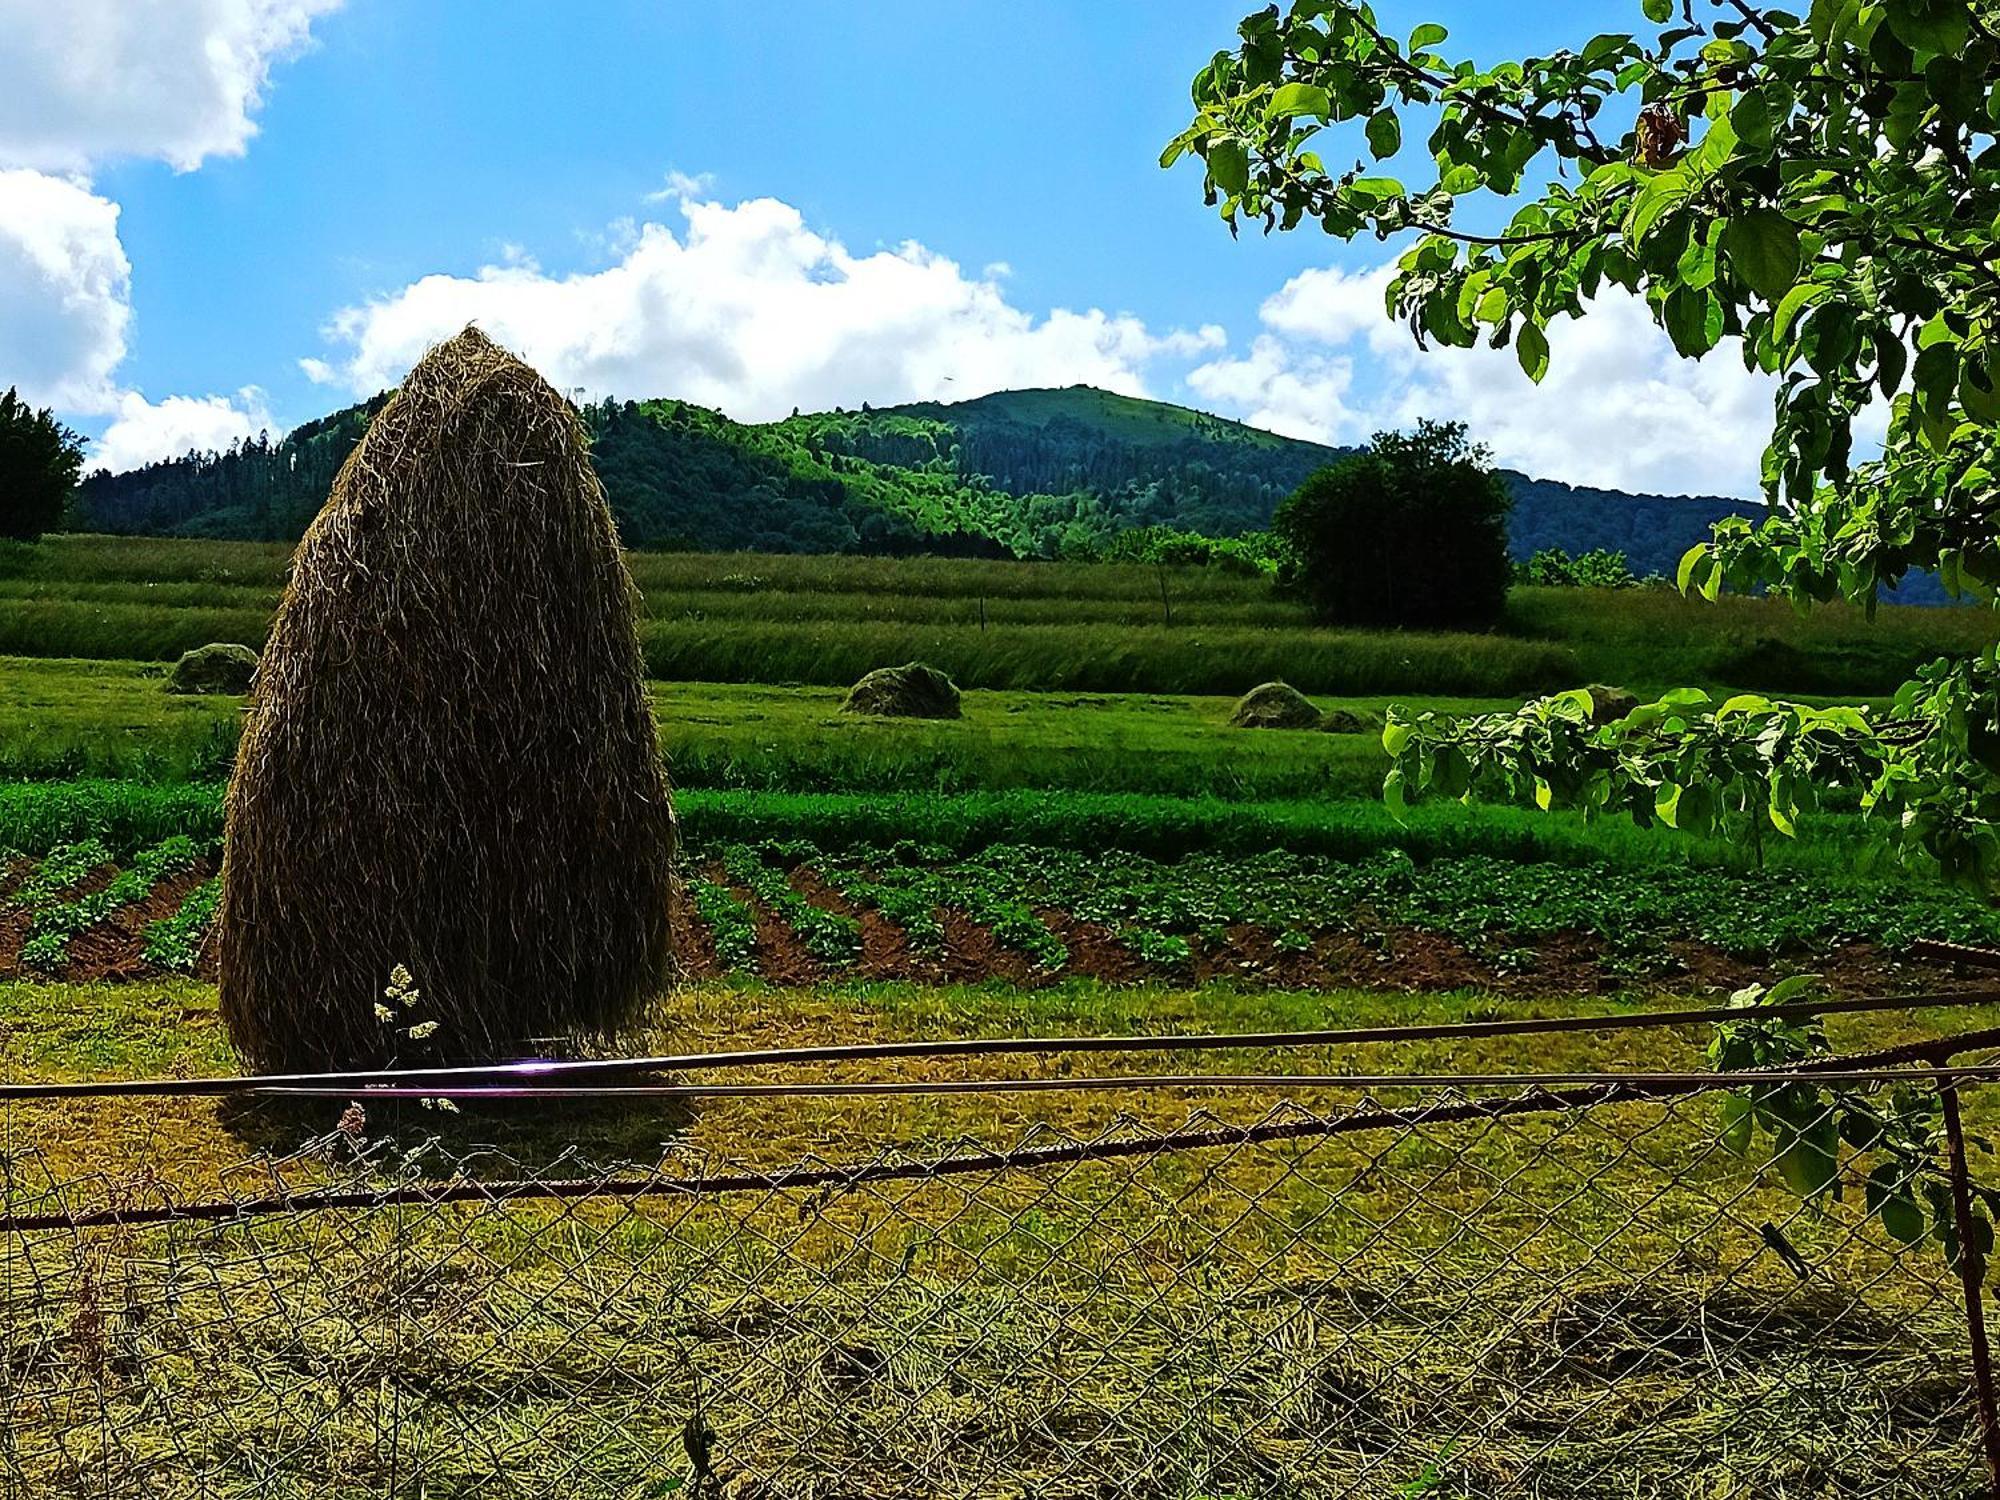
(90, 80)
(1618, 407)
(147, 431)
(751, 311)
(87, 80)
(65, 289)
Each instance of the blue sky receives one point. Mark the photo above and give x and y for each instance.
(877, 201)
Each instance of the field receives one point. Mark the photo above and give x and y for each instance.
(1094, 628)
(1564, 1304)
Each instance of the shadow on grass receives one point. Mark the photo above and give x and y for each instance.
(487, 1138)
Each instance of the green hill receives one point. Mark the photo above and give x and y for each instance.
(1035, 473)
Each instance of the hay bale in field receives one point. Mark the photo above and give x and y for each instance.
(1351, 721)
(217, 668)
(449, 761)
(1610, 704)
(911, 691)
(1274, 705)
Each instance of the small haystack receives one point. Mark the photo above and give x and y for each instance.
(914, 691)
(1274, 705)
(217, 668)
(1350, 721)
(1610, 704)
(449, 761)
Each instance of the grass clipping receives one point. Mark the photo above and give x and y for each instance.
(450, 761)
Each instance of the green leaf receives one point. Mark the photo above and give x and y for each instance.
(1929, 25)
(1790, 988)
(1229, 165)
(1737, 1124)
(1492, 305)
(1293, 99)
(1808, 1159)
(1659, 12)
(1695, 557)
(1392, 794)
(1763, 246)
(1427, 35)
(1792, 304)
(1531, 348)
(1903, 1218)
(1385, 134)
(1395, 737)
(1752, 119)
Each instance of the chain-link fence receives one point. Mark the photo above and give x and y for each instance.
(1377, 1288)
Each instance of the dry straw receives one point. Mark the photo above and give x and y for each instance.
(450, 760)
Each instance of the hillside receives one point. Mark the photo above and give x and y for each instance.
(1036, 473)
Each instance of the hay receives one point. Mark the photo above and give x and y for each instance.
(1610, 704)
(1274, 705)
(1350, 721)
(217, 668)
(449, 760)
(913, 691)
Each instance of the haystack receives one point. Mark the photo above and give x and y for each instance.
(449, 760)
(1274, 705)
(220, 667)
(1350, 721)
(912, 691)
(1610, 704)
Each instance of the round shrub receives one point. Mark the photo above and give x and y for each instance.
(1411, 531)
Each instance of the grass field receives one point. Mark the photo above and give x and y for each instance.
(61, 718)
(1024, 626)
(1569, 1304)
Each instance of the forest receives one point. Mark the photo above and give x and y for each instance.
(1076, 473)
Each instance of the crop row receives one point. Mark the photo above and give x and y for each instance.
(1160, 911)
(51, 898)
(756, 901)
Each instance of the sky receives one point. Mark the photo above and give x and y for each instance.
(220, 216)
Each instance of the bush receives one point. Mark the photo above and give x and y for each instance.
(1599, 568)
(1410, 532)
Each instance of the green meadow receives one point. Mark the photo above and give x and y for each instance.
(1024, 626)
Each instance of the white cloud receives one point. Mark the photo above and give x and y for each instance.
(88, 80)
(82, 81)
(681, 186)
(65, 290)
(750, 311)
(146, 431)
(1618, 407)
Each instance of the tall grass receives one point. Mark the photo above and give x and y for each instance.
(1108, 658)
(752, 617)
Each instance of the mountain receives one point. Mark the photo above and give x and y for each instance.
(1035, 473)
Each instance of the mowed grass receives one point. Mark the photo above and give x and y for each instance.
(1578, 1302)
(62, 718)
(1025, 626)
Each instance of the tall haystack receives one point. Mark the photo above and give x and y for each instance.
(449, 760)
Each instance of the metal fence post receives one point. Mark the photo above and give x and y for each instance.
(1972, 1277)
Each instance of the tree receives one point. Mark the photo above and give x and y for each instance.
(1820, 192)
(39, 463)
(1411, 531)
